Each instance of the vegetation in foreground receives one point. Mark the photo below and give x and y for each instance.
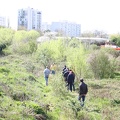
(23, 94)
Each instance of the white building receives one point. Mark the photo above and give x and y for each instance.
(29, 19)
(45, 26)
(68, 29)
(3, 21)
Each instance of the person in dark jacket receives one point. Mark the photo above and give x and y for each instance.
(70, 80)
(65, 74)
(64, 69)
(73, 81)
(83, 89)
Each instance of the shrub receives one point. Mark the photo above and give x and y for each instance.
(76, 59)
(19, 96)
(24, 42)
(4, 70)
(6, 36)
(44, 55)
(102, 65)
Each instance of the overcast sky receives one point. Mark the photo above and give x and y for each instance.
(91, 14)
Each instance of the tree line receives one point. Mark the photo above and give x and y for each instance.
(92, 62)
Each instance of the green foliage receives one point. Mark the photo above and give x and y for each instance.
(4, 70)
(24, 42)
(83, 115)
(59, 87)
(44, 56)
(74, 43)
(6, 36)
(76, 59)
(20, 36)
(23, 94)
(116, 39)
(50, 52)
(102, 65)
(94, 47)
(20, 96)
(59, 49)
(116, 102)
(37, 108)
(33, 35)
(112, 52)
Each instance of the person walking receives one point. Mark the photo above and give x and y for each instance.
(46, 74)
(70, 80)
(53, 68)
(73, 81)
(64, 68)
(83, 90)
(65, 75)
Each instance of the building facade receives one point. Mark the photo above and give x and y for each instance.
(2, 21)
(29, 19)
(45, 26)
(67, 29)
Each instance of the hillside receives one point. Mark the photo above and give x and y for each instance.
(24, 96)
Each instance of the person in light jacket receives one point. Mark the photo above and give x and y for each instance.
(46, 74)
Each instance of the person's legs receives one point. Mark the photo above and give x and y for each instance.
(46, 79)
(53, 72)
(83, 98)
(68, 86)
(71, 87)
(79, 98)
(65, 79)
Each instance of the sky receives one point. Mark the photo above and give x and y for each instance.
(103, 15)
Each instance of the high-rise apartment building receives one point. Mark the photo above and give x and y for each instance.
(29, 19)
(68, 29)
(2, 21)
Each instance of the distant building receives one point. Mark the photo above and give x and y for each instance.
(67, 29)
(29, 19)
(45, 26)
(3, 21)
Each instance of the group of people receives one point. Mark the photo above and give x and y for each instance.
(69, 77)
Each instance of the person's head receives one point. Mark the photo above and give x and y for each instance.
(70, 71)
(81, 80)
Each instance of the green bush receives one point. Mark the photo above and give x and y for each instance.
(6, 36)
(44, 55)
(24, 42)
(115, 38)
(4, 70)
(102, 65)
(20, 96)
(76, 60)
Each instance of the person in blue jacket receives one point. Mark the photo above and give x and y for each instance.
(70, 80)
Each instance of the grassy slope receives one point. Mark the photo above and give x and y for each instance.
(23, 95)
